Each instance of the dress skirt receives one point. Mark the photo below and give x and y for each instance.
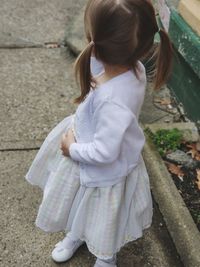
(106, 218)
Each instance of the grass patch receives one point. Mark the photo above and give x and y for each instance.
(165, 140)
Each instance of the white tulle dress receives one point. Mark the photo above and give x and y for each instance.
(105, 217)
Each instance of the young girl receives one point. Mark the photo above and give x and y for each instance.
(96, 187)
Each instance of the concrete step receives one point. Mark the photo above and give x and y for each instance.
(190, 10)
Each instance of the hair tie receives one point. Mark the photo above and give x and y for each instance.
(157, 34)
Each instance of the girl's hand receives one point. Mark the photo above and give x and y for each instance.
(67, 139)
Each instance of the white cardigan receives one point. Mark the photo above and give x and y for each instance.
(109, 138)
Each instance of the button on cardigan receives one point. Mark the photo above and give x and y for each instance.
(109, 138)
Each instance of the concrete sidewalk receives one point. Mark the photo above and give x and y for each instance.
(37, 88)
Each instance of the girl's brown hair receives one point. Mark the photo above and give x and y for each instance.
(123, 32)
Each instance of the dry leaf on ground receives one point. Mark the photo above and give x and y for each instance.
(193, 151)
(175, 169)
(198, 146)
(198, 179)
(51, 45)
(162, 101)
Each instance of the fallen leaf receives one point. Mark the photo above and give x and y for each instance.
(175, 169)
(198, 178)
(162, 101)
(193, 151)
(197, 156)
(51, 45)
(198, 146)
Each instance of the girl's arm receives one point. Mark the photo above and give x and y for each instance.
(111, 122)
(66, 140)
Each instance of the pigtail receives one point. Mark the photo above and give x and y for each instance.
(163, 59)
(82, 72)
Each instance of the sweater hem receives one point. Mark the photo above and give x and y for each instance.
(102, 183)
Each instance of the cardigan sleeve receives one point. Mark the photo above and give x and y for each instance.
(111, 121)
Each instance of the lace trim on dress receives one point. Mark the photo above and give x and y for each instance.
(109, 254)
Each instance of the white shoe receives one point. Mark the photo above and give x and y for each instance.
(62, 254)
(100, 263)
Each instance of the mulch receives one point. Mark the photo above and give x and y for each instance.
(187, 181)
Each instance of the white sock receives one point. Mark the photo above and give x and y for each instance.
(69, 241)
(111, 260)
